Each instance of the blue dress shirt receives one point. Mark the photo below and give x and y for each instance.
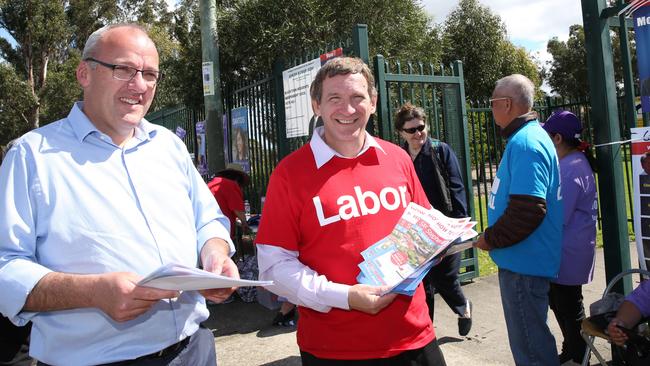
(72, 201)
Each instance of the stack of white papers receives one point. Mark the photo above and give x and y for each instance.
(174, 276)
(418, 242)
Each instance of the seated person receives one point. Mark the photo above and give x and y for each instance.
(635, 307)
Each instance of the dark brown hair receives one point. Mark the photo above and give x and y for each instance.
(341, 66)
(407, 113)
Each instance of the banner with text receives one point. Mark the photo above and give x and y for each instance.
(641, 175)
(642, 35)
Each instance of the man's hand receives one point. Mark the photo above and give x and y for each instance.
(120, 298)
(368, 299)
(616, 335)
(481, 243)
(215, 259)
(114, 293)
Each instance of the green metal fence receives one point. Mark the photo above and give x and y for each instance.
(487, 146)
(185, 118)
(439, 90)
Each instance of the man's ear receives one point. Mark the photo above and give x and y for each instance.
(83, 74)
(315, 106)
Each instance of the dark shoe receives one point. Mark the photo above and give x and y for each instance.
(465, 322)
(285, 320)
(564, 357)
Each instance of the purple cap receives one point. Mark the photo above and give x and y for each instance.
(565, 123)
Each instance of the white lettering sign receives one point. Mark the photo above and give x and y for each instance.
(362, 204)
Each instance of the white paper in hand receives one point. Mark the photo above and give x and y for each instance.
(174, 276)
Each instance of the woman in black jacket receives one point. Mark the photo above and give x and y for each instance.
(437, 168)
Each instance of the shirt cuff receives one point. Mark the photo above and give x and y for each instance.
(214, 230)
(17, 279)
(337, 295)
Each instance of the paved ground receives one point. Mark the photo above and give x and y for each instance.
(244, 336)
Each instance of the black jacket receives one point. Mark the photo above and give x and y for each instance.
(424, 168)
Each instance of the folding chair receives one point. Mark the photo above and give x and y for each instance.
(591, 329)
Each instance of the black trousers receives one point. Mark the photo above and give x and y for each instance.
(443, 278)
(566, 303)
(429, 355)
(14, 343)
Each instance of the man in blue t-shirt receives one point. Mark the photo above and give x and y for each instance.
(525, 222)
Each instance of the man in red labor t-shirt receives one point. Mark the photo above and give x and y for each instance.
(227, 187)
(325, 204)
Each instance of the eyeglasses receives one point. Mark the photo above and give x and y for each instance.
(127, 73)
(492, 100)
(413, 129)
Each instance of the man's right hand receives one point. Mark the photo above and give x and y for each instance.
(368, 299)
(119, 296)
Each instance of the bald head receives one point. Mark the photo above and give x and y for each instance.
(98, 37)
(519, 88)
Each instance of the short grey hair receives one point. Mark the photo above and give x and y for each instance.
(519, 88)
(91, 44)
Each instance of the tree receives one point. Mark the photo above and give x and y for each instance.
(40, 29)
(16, 104)
(477, 37)
(255, 33)
(567, 74)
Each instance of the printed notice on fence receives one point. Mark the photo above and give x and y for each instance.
(297, 102)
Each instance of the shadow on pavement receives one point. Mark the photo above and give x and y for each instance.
(289, 361)
(239, 317)
(444, 340)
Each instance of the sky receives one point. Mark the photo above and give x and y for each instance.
(529, 23)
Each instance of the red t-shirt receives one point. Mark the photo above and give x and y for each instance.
(229, 197)
(318, 213)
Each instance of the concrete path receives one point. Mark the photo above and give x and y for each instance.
(244, 336)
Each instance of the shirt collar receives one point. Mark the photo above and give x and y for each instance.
(517, 123)
(323, 153)
(82, 126)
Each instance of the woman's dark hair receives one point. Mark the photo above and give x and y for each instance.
(233, 175)
(583, 146)
(407, 113)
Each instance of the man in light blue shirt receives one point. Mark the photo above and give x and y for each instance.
(524, 234)
(93, 202)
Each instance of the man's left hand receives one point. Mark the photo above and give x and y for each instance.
(215, 259)
(481, 243)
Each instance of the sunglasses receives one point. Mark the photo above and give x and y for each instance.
(413, 129)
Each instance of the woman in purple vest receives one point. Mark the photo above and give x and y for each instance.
(578, 190)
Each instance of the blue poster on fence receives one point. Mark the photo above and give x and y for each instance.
(642, 36)
(201, 159)
(240, 138)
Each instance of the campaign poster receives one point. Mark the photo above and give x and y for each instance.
(226, 137)
(180, 132)
(300, 119)
(240, 148)
(201, 159)
(641, 18)
(641, 180)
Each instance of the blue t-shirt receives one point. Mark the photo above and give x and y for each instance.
(530, 167)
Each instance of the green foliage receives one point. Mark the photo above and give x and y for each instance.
(255, 33)
(477, 37)
(567, 73)
(16, 102)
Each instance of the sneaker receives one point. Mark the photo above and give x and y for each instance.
(465, 321)
(285, 320)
